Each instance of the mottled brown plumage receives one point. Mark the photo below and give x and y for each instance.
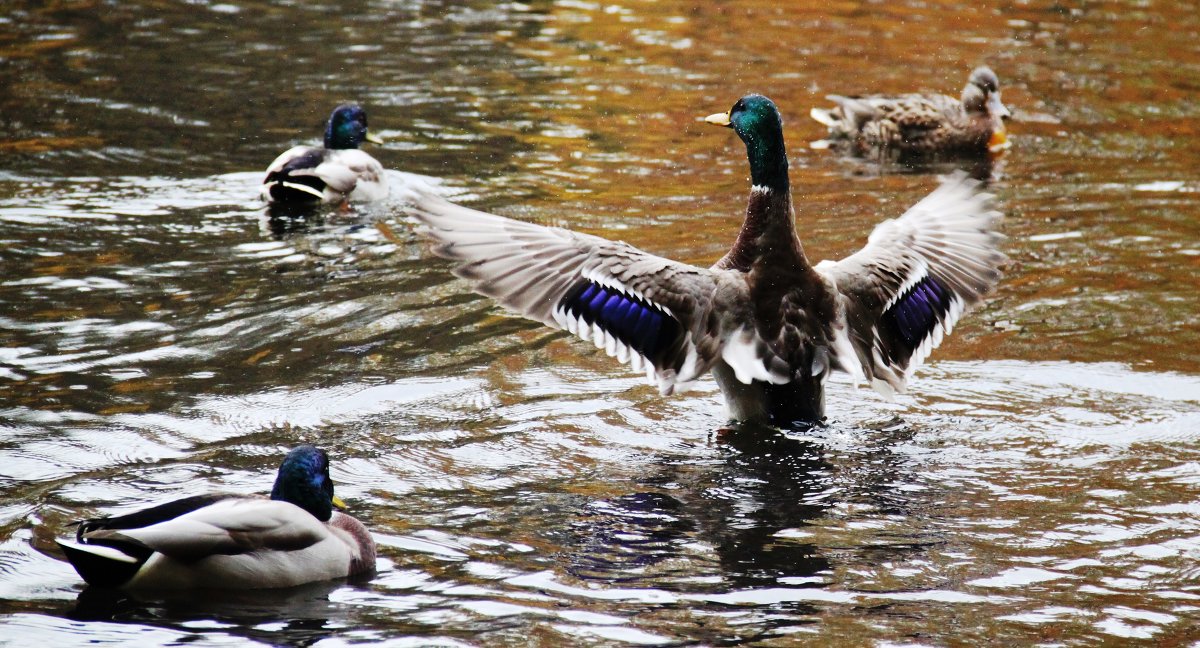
(921, 125)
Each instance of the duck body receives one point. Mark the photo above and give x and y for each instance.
(305, 174)
(766, 323)
(229, 541)
(793, 311)
(921, 125)
(335, 172)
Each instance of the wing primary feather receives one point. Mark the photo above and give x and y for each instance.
(641, 308)
(917, 275)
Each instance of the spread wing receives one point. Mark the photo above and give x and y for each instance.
(667, 318)
(916, 276)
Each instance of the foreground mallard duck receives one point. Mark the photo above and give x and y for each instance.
(230, 541)
(767, 324)
(333, 173)
(922, 125)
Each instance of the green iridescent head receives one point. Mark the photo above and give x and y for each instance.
(304, 480)
(347, 128)
(756, 120)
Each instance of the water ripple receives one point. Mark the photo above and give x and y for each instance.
(166, 334)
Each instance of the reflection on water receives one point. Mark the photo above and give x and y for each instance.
(164, 334)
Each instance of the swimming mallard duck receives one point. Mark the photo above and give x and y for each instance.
(230, 541)
(922, 125)
(767, 324)
(336, 172)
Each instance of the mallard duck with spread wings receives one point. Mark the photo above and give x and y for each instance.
(766, 323)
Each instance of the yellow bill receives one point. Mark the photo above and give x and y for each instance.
(374, 139)
(720, 119)
(998, 141)
(337, 501)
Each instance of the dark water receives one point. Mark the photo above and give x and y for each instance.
(162, 336)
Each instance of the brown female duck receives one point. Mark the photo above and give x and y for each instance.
(922, 125)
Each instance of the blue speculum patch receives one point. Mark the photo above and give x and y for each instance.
(917, 312)
(641, 326)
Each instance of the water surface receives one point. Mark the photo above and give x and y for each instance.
(163, 335)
